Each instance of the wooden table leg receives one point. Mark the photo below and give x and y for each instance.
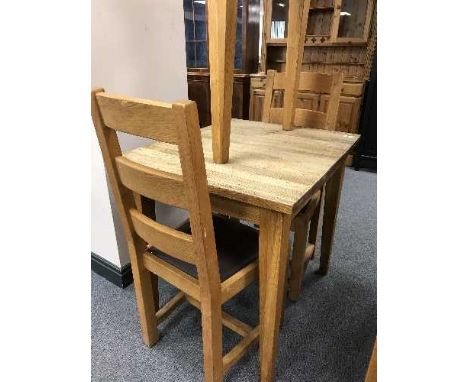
(273, 258)
(222, 42)
(330, 209)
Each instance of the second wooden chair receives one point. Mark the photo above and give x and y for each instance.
(328, 87)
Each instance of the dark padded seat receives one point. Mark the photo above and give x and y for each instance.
(236, 245)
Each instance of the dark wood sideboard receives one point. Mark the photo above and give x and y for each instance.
(199, 91)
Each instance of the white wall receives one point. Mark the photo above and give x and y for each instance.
(137, 49)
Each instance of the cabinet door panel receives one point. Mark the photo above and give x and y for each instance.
(199, 91)
(256, 105)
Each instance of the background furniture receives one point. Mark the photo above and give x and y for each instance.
(366, 152)
(340, 35)
(199, 91)
(186, 257)
(323, 117)
(348, 111)
(245, 58)
(247, 35)
(268, 190)
(347, 46)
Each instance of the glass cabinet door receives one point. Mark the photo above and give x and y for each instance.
(196, 44)
(352, 20)
(239, 24)
(279, 19)
(196, 37)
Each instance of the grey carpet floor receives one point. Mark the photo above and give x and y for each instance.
(327, 336)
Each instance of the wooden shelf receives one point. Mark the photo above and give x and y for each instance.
(330, 43)
(283, 42)
(333, 63)
(277, 41)
(321, 9)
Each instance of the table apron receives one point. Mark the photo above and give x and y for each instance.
(236, 209)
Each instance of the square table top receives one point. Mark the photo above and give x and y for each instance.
(268, 167)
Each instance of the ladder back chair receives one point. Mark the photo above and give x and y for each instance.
(328, 86)
(208, 258)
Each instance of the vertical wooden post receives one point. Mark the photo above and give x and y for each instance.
(330, 211)
(297, 24)
(267, 9)
(222, 16)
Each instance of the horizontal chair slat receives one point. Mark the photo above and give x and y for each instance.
(172, 275)
(302, 117)
(310, 118)
(157, 185)
(315, 82)
(168, 240)
(169, 307)
(145, 118)
(230, 322)
(309, 81)
(240, 349)
(238, 281)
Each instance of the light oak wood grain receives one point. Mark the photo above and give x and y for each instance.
(222, 16)
(274, 233)
(327, 85)
(154, 184)
(269, 167)
(174, 243)
(298, 15)
(238, 282)
(240, 349)
(137, 116)
(124, 200)
(177, 126)
(169, 307)
(229, 321)
(273, 175)
(331, 202)
(186, 283)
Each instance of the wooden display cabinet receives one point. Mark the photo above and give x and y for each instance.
(340, 36)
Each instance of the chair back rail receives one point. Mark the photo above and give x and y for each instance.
(320, 83)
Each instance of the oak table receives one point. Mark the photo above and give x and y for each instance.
(271, 175)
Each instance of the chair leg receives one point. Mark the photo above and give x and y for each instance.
(145, 296)
(297, 263)
(314, 222)
(286, 284)
(212, 342)
(155, 285)
(148, 207)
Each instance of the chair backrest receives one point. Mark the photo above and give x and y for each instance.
(320, 83)
(176, 124)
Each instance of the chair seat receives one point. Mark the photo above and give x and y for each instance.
(236, 245)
